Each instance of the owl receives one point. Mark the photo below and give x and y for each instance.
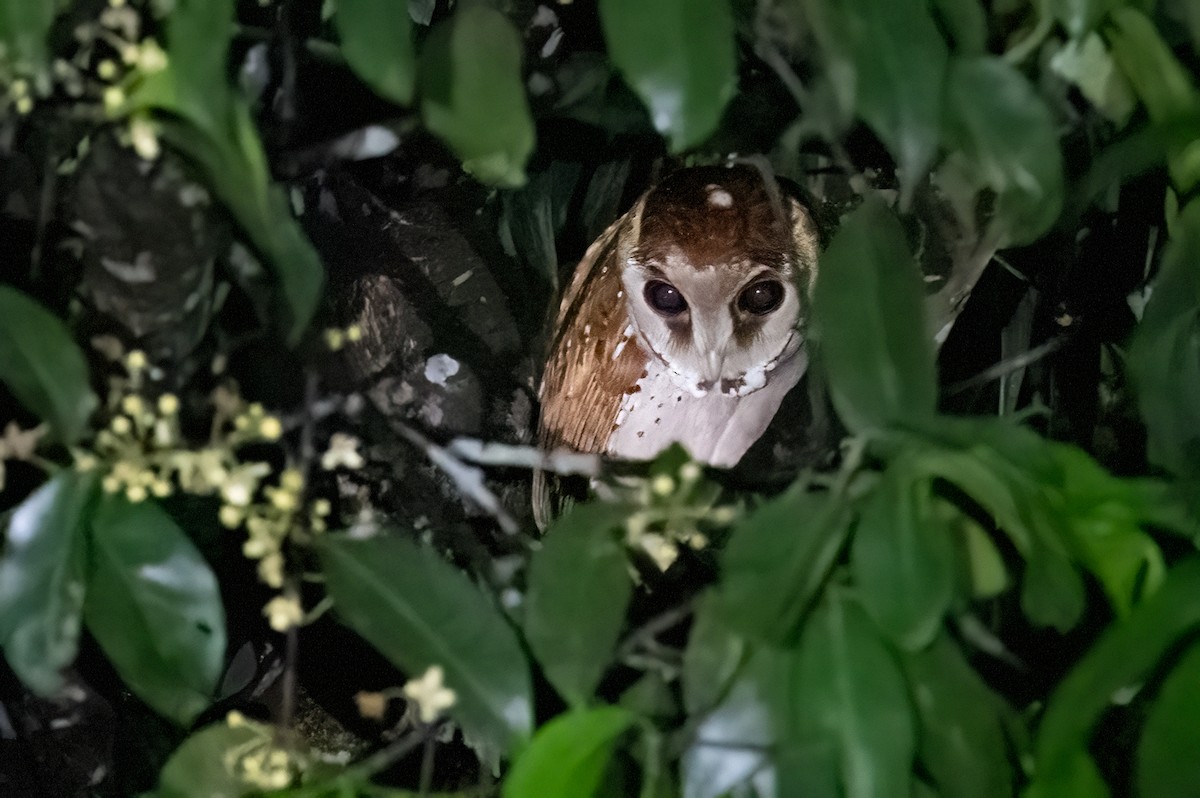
(684, 322)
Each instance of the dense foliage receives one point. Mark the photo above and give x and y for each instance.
(236, 241)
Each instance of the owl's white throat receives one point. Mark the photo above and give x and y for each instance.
(746, 383)
(715, 427)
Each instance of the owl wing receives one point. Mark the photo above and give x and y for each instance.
(594, 362)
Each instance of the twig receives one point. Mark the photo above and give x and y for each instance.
(559, 461)
(468, 479)
(1014, 363)
(652, 628)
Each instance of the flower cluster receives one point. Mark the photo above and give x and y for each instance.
(670, 506)
(259, 761)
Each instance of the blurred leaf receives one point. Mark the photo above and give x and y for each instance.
(1165, 356)
(989, 577)
(1003, 138)
(1081, 16)
(1123, 656)
(962, 741)
(421, 11)
(419, 611)
(472, 95)
(902, 560)
(679, 57)
(776, 561)
(568, 755)
(1160, 82)
(1166, 758)
(888, 62)
(42, 580)
(154, 606)
(732, 739)
(43, 367)
(24, 27)
(711, 659)
(1087, 64)
(868, 309)
(847, 688)
(202, 765)
(966, 23)
(578, 589)
(377, 42)
(1052, 591)
(213, 126)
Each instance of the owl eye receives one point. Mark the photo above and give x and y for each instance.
(665, 298)
(762, 297)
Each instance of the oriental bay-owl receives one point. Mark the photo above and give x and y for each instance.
(684, 322)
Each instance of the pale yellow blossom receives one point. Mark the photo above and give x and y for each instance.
(430, 694)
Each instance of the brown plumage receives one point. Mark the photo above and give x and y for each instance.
(711, 233)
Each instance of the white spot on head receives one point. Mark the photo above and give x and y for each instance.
(718, 197)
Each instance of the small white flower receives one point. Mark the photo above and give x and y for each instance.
(343, 451)
(430, 694)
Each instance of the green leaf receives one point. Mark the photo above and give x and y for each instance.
(419, 611)
(1159, 80)
(568, 756)
(966, 23)
(24, 27)
(43, 367)
(848, 689)
(868, 309)
(42, 581)
(732, 738)
(1052, 591)
(579, 586)
(1087, 64)
(472, 95)
(1123, 656)
(902, 560)
(1004, 139)
(962, 741)
(1165, 354)
(377, 43)
(679, 58)
(206, 121)
(1166, 758)
(711, 659)
(887, 61)
(1081, 16)
(777, 560)
(154, 606)
(202, 765)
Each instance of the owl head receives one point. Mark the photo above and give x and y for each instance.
(717, 275)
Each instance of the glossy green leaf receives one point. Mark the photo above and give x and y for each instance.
(678, 56)
(868, 308)
(1166, 759)
(568, 755)
(1165, 356)
(888, 62)
(42, 366)
(472, 95)
(962, 741)
(1123, 656)
(419, 611)
(377, 43)
(210, 124)
(1003, 137)
(579, 586)
(902, 559)
(989, 576)
(849, 689)
(776, 562)
(202, 763)
(155, 608)
(42, 580)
